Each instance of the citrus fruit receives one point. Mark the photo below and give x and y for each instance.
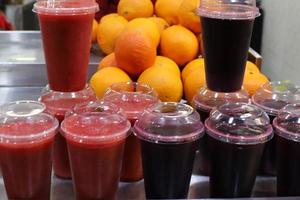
(188, 17)
(160, 23)
(252, 67)
(166, 63)
(131, 9)
(108, 61)
(94, 31)
(253, 81)
(135, 52)
(197, 64)
(179, 44)
(193, 82)
(105, 77)
(168, 10)
(147, 26)
(108, 34)
(167, 85)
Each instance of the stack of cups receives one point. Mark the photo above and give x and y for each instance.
(226, 30)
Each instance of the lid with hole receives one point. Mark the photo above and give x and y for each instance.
(239, 123)
(169, 123)
(25, 122)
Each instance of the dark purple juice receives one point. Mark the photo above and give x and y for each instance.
(226, 44)
(233, 168)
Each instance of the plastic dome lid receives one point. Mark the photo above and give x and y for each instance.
(273, 96)
(132, 97)
(169, 123)
(239, 123)
(228, 9)
(25, 122)
(58, 103)
(287, 123)
(206, 99)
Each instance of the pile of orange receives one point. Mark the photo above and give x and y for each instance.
(152, 43)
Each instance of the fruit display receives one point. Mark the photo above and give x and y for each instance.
(158, 43)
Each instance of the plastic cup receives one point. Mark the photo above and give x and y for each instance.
(237, 133)
(66, 28)
(95, 142)
(26, 138)
(226, 30)
(287, 129)
(204, 101)
(272, 97)
(58, 104)
(169, 134)
(133, 98)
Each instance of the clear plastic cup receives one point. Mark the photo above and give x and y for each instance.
(287, 129)
(133, 98)
(58, 104)
(272, 97)
(66, 28)
(169, 134)
(26, 138)
(95, 142)
(237, 133)
(226, 31)
(204, 101)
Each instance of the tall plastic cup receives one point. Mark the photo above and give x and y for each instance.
(226, 30)
(237, 136)
(204, 101)
(57, 104)
(169, 134)
(272, 97)
(66, 28)
(133, 98)
(95, 142)
(26, 139)
(287, 129)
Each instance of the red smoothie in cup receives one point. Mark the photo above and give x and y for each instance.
(57, 104)
(66, 28)
(133, 98)
(26, 136)
(96, 142)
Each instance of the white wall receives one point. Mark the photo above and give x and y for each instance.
(281, 40)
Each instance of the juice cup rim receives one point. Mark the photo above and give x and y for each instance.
(48, 7)
(289, 135)
(174, 139)
(28, 138)
(249, 12)
(239, 140)
(88, 139)
(268, 110)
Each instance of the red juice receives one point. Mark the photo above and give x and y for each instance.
(26, 152)
(57, 104)
(106, 7)
(95, 143)
(66, 28)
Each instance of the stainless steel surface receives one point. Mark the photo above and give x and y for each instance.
(22, 59)
(8, 94)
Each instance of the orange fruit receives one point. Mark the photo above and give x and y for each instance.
(160, 23)
(166, 63)
(108, 61)
(252, 67)
(253, 81)
(197, 64)
(105, 77)
(188, 17)
(179, 44)
(94, 31)
(108, 34)
(168, 9)
(167, 85)
(131, 9)
(193, 82)
(147, 26)
(135, 52)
